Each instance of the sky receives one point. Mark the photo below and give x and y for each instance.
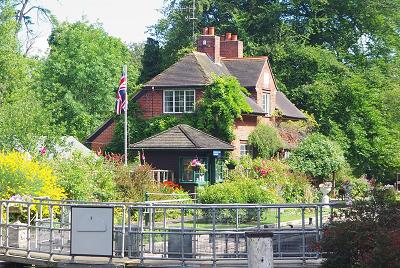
(125, 19)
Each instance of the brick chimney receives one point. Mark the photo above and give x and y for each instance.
(209, 43)
(231, 47)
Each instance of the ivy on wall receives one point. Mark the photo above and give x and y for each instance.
(223, 102)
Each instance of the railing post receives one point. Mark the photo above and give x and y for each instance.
(51, 231)
(303, 240)
(123, 231)
(28, 231)
(214, 258)
(7, 224)
(1, 224)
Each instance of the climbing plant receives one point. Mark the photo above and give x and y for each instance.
(223, 102)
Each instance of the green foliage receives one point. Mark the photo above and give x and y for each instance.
(266, 26)
(361, 236)
(151, 60)
(318, 157)
(81, 74)
(14, 71)
(276, 176)
(238, 191)
(24, 176)
(223, 102)
(133, 185)
(86, 178)
(24, 121)
(265, 139)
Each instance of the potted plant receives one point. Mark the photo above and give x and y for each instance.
(197, 166)
(231, 164)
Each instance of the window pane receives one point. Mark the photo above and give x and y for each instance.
(189, 101)
(169, 101)
(179, 101)
(268, 104)
(245, 149)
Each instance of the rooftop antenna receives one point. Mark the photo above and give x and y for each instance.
(192, 16)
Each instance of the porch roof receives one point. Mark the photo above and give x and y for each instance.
(182, 137)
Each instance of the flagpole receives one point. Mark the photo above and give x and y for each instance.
(125, 70)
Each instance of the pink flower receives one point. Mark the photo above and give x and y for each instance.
(43, 150)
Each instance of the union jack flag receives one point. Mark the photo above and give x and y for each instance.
(121, 101)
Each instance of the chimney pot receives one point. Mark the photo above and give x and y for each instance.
(234, 37)
(211, 30)
(228, 36)
(222, 37)
(205, 31)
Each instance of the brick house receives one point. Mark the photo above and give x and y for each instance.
(177, 89)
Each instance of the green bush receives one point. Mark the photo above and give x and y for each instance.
(86, 178)
(265, 139)
(292, 187)
(318, 157)
(133, 185)
(243, 191)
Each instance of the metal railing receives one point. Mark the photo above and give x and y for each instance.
(44, 226)
(212, 233)
(173, 231)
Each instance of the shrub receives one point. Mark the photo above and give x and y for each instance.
(318, 157)
(244, 191)
(133, 185)
(24, 176)
(265, 139)
(292, 187)
(86, 178)
(366, 234)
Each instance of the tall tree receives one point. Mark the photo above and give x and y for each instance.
(151, 60)
(80, 77)
(353, 30)
(14, 71)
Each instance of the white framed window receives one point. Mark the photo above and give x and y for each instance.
(179, 101)
(267, 103)
(245, 149)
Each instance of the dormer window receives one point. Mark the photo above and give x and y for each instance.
(267, 103)
(179, 101)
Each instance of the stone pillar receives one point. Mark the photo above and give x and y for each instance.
(17, 235)
(260, 249)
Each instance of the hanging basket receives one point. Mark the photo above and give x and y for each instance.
(196, 168)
